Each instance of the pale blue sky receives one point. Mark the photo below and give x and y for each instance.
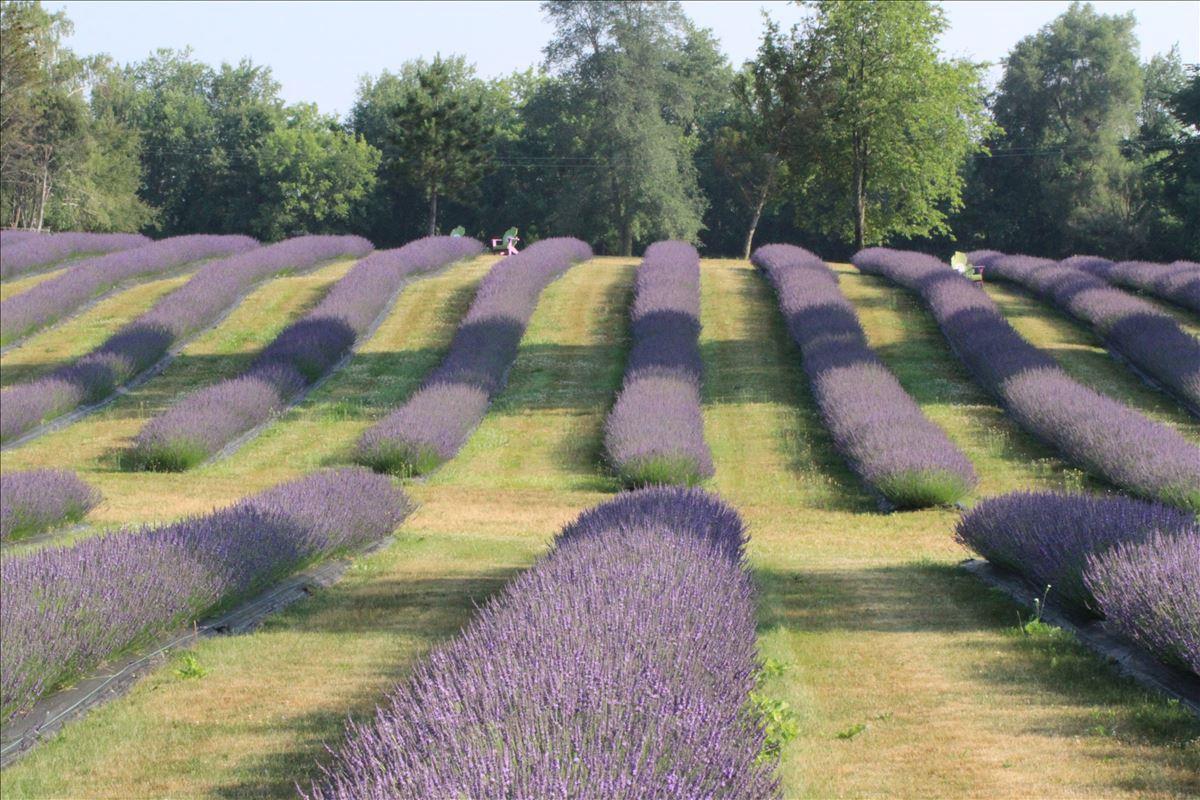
(318, 50)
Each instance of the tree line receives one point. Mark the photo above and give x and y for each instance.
(848, 129)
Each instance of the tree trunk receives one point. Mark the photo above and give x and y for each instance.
(860, 197)
(41, 217)
(433, 198)
(626, 238)
(758, 209)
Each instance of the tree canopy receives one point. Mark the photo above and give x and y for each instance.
(850, 128)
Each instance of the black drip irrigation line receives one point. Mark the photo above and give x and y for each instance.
(44, 537)
(233, 446)
(71, 417)
(52, 712)
(1125, 657)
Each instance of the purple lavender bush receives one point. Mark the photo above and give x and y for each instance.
(68, 609)
(1099, 434)
(1149, 339)
(1149, 590)
(205, 421)
(38, 500)
(435, 422)
(57, 297)
(876, 426)
(1177, 282)
(11, 236)
(215, 288)
(1047, 537)
(617, 667)
(655, 432)
(29, 253)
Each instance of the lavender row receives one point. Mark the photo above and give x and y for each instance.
(68, 609)
(205, 421)
(655, 431)
(198, 303)
(1150, 592)
(618, 666)
(57, 297)
(27, 253)
(1095, 432)
(876, 426)
(1177, 282)
(435, 422)
(1149, 339)
(41, 499)
(11, 236)
(1134, 562)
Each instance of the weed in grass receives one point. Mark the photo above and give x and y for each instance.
(852, 731)
(189, 667)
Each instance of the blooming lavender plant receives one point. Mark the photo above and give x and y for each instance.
(68, 609)
(29, 253)
(876, 426)
(11, 236)
(1149, 339)
(1177, 282)
(1048, 536)
(1101, 435)
(618, 667)
(655, 432)
(53, 299)
(203, 422)
(198, 303)
(1149, 590)
(41, 499)
(435, 422)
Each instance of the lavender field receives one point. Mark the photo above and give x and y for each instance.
(613, 528)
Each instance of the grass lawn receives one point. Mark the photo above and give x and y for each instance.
(906, 677)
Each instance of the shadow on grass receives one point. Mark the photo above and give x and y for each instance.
(1047, 668)
(426, 611)
(584, 454)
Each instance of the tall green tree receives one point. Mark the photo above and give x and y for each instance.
(63, 162)
(313, 174)
(1068, 103)
(748, 147)
(881, 123)
(441, 132)
(633, 79)
(201, 128)
(1176, 166)
(398, 207)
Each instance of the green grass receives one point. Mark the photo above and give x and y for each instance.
(401, 459)
(660, 470)
(869, 628)
(923, 488)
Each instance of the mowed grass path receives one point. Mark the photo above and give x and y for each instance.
(918, 667)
